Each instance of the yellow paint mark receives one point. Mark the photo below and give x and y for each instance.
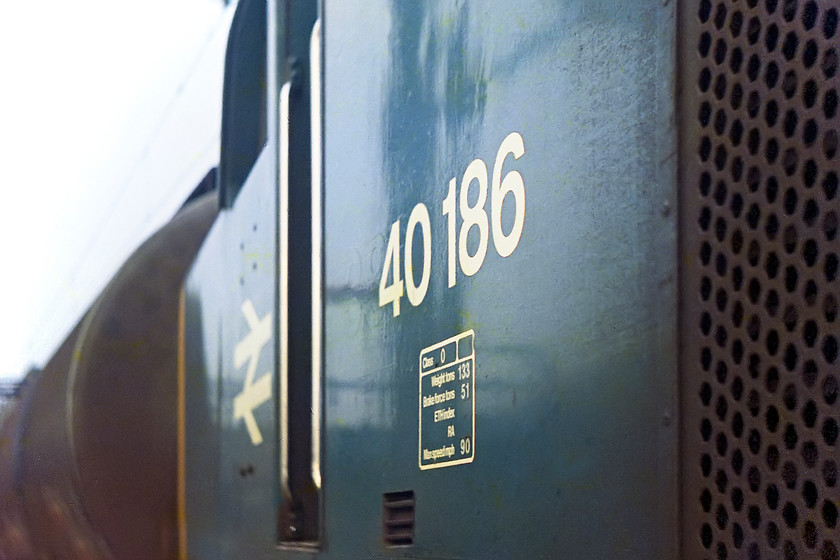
(182, 430)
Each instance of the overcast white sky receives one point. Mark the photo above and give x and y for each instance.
(109, 115)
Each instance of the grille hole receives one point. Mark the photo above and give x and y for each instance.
(829, 512)
(720, 16)
(705, 183)
(789, 475)
(738, 205)
(706, 535)
(771, 37)
(737, 96)
(809, 172)
(772, 189)
(791, 436)
(754, 479)
(829, 349)
(809, 414)
(830, 390)
(830, 473)
(791, 120)
(720, 51)
(830, 23)
(790, 238)
(830, 185)
(753, 30)
(809, 374)
(790, 515)
(829, 65)
(790, 317)
(809, 494)
(706, 500)
(810, 454)
(706, 464)
(772, 535)
(809, 134)
(789, 10)
(809, 15)
(771, 113)
(790, 45)
(830, 143)
(720, 121)
(720, 86)
(810, 253)
(705, 11)
(705, 79)
(754, 516)
(809, 535)
(735, 23)
(705, 44)
(736, 60)
(829, 431)
(830, 104)
(790, 201)
(830, 308)
(738, 430)
(809, 93)
(398, 518)
(737, 535)
(753, 67)
(809, 54)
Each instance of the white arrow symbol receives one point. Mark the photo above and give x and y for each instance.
(248, 350)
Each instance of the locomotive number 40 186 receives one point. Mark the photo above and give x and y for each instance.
(472, 216)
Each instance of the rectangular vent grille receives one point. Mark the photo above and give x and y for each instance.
(398, 518)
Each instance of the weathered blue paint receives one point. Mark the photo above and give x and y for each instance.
(232, 489)
(574, 331)
(575, 340)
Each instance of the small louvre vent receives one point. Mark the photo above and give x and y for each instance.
(398, 518)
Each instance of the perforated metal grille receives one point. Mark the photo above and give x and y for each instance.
(759, 288)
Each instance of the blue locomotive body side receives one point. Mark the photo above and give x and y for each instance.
(480, 280)
(499, 173)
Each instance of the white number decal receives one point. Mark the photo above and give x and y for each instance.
(466, 445)
(464, 371)
(512, 183)
(415, 292)
(476, 215)
(419, 216)
(449, 212)
(474, 218)
(392, 293)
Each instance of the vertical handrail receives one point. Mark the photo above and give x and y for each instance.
(317, 245)
(283, 288)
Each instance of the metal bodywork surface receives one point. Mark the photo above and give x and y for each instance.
(571, 322)
(575, 344)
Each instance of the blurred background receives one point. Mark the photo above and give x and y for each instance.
(110, 114)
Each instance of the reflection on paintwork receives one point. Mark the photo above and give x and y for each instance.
(575, 364)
